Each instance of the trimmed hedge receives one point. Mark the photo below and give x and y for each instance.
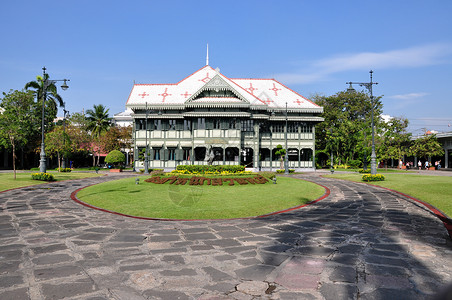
(195, 180)
(280, 171)
(362, 171)
(64, 170)
(369, 177)
(43, 176)
(194, 169)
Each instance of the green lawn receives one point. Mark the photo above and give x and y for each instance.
(199, 202)
(436, 190)
(24, 179)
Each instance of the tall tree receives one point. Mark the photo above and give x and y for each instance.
(38, 89)
(395, 140)
(98, 123)
(116, 138)
(15, 122)
(58, 142)
(347, 121)
(426, 147)
(53, 99)
(79, 120)
(98, 120)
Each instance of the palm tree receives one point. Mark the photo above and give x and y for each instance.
(98, 123)
(98, 120)
(43, 87)
(52, 96)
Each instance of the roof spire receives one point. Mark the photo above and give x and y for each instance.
(207, 57)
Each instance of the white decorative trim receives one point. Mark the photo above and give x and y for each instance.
(217, 83)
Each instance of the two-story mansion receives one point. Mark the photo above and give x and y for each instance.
(210, 118)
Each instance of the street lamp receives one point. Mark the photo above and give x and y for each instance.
(63, 163)
(368, 86)
(286, 158)
(146, 168)
(45, 84)
(331, 160)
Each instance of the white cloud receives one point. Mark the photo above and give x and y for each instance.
(402, 58)
(410, 57)
(408, 96)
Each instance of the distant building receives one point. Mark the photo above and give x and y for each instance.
(123, 119)
(208, 118)
(445, 139)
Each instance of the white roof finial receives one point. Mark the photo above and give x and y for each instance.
(207, 57)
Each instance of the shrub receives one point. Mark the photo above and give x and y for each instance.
(42, 176)
(281, 171)
(354, 164)
(218, 181)
(115, 158)
(362, 171)
(203, 169)
(376, 177)
(64, 170)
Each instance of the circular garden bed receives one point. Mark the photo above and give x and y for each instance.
(200, 197)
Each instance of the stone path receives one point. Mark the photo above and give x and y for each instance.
(361, 242)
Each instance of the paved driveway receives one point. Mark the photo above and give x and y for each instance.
(360, 242)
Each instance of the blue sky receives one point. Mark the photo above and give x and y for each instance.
(313, 47)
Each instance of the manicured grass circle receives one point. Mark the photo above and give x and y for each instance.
(168, 201)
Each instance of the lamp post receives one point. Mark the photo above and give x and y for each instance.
(368, 86)
(45, 84)
(286, 157)
(146, 168)
(331, 160)
(63, 163)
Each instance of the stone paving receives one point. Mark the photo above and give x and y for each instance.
(361, 242)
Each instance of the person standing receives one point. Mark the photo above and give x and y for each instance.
(419, 164)
(426, 164)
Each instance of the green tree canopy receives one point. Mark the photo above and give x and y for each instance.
(15, 122)
(346, 130)
(53, 99)
(98, 120)
(115, 158)
(427, 146)
(395, 140)
(79, 120)
(116, 138)
(58, 142)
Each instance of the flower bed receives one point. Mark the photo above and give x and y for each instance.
(376, 177)
(216, 170)
(198, 180)
(42, 176)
